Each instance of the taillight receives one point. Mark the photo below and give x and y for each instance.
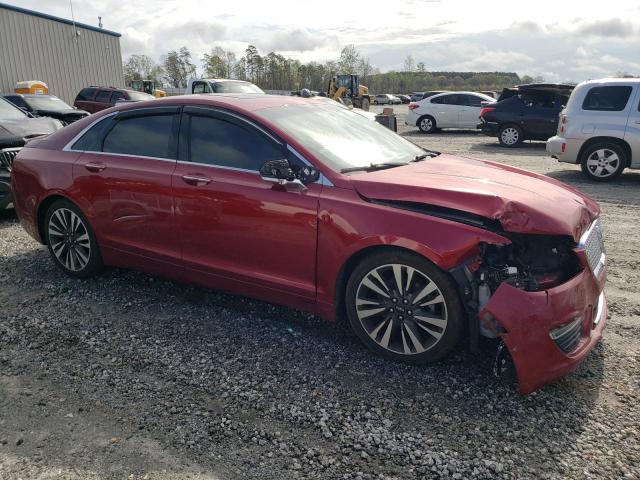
(563, 123)
(485, 110)
(413, 106)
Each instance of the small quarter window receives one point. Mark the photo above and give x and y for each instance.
(608, 99)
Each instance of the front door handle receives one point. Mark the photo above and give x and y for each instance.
(95, 167)
(196, 180)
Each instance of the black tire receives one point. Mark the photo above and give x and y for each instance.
(71, 241)
(427, 124)
(404, 319)
(603, 161)
(510, 136)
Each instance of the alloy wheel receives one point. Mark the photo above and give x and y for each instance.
(426, 124)
(510, 136)
(401, 309)
(603, 163)
(69, 239)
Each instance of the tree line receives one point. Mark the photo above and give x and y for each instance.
(274, 71)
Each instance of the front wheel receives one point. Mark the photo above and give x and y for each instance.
(71, 241)
(510, 136)
(403, 307)
(602, 162)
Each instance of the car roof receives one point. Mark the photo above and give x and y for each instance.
(241, 101)
(220, 80)
(612, 80)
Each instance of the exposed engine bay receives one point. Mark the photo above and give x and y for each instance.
(530, 263)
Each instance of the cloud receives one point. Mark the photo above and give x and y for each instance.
(614, 27)
(293, 40)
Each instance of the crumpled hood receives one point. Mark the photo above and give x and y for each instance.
(27, 127)
(522, 201)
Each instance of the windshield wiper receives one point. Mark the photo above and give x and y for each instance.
(373, 166)
(421, 157)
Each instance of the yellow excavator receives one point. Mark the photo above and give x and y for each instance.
(147, 86)
(347, 89)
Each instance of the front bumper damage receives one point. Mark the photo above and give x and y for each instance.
(526, 321)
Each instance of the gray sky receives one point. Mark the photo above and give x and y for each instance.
(560, 40)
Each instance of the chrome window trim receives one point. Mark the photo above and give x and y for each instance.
(224, 167)
(115, 154)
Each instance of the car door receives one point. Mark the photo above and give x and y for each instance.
(239, 231)
(444, 109)
(540, 115)
(469, 110)
(124, 178)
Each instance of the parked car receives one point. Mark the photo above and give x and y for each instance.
(311, 205)
(45, 106)
(600, 128)
(95, 99)
(405, 98)
(447, 110)
(386, 99)
(417, 96)
(17, 127)
(489, 93)
(220, 85)
(526, 112)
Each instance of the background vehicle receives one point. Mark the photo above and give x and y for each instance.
(220, 85)
(600, 128)
(347, 89)
(45, 106)
(417, 96)
(386, 99)
(405, 98)
(525, 112)
(147, 86)
(359, 205)
(94, 99)
(447, 110)
(489, 93)
(17, 127)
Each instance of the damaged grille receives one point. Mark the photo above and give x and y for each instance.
(593, 246)
(7, 155)
(568, 336)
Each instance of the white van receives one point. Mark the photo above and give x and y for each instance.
(600, 128)
(220, 85)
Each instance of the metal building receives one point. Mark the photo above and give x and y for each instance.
(64, 54)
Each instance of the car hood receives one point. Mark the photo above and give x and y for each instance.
(28, 127)
(522, 201)
(67, 112)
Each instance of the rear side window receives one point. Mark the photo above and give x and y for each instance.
(86, 94)
(103, 96)
(147, 136)
(608, 99)
(214, 141)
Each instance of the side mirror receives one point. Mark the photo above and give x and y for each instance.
(281, 173)
(277, 170)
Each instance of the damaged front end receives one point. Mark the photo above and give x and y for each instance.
(542, 296)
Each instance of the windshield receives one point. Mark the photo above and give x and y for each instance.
(46, 102)
(9, 112)
(139, 96)
(339, 137)
(237, 87)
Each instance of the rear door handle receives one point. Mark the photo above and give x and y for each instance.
(196, 180)
(95, 166)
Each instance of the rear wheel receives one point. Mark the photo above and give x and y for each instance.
(427, 124)
(603, 161)
(403, 307)
(510, 136)
(71, 241)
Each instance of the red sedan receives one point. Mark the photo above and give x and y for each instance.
(305, 203)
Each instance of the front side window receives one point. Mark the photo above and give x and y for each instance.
(201, 87)
(147, 136)
(609, 99)
(218, 142)
(116, 96)
(103, 96)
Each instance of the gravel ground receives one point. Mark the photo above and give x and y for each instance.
(130, 376)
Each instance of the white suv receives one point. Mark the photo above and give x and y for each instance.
(600, 128)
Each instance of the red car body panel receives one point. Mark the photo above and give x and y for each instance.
(250, 237)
